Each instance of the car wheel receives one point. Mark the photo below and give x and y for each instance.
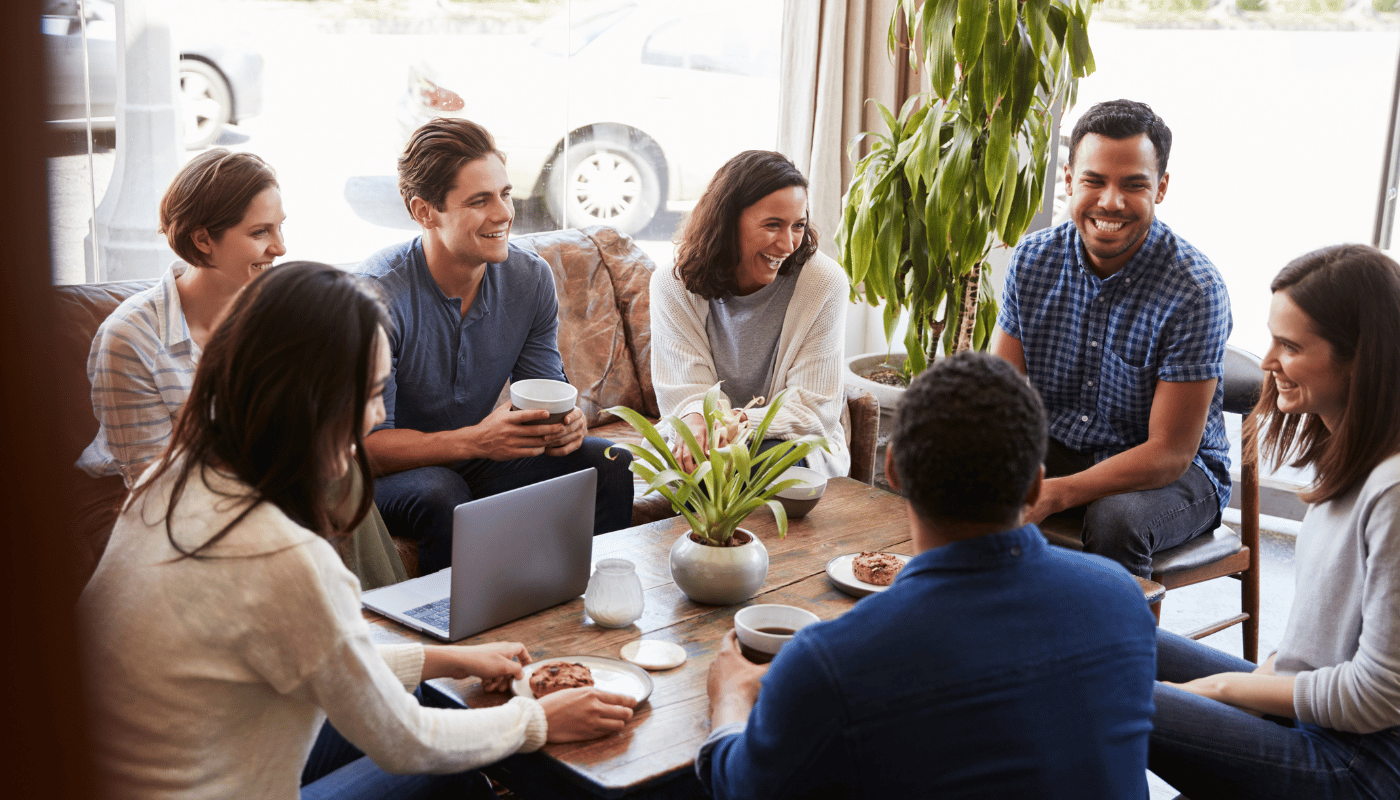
(604, 185)
(205, 101)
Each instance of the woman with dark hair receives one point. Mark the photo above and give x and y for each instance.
(223, 628)
(1321, 716)
(222, 215)
(753, 305)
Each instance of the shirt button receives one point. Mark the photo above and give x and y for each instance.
(1100, 300)
(1015, 551)
(1093, 344)
(1091, 383)
(1084, 419)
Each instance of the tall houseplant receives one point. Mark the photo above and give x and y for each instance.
(716, 561)
(962, 166)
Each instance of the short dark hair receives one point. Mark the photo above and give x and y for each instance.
(707, 250)
(212, 192)
(430, 160)
(1351, 293)
(1124, 119)
(280, 396)
(968, 440)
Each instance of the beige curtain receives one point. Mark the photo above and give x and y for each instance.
(834, 58)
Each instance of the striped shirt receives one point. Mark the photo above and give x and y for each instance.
(1096, 348)
(141, 367)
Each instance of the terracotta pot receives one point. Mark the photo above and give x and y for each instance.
(719, 576)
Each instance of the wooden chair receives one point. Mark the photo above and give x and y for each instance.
(1222, 553)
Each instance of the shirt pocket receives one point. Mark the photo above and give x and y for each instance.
(1126, 397)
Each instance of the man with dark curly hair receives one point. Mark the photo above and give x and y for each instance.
(993, 666)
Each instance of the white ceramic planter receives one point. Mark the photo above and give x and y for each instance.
(719, 576)
(889, 396)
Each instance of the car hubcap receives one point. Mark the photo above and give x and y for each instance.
(200, 107)
(606, 185)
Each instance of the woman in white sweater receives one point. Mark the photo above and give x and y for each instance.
(1321, 717)
(222, 626)
(752, 304)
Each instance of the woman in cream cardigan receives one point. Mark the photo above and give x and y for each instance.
(753, 305)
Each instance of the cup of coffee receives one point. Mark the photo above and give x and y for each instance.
(764, 629)
(556, 397)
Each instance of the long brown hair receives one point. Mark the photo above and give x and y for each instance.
(1351, 293)
(211, 192)
(707, 251)
(279, 396)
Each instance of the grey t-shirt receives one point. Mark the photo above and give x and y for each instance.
(743, 334)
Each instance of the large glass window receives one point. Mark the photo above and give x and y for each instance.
(615, 112)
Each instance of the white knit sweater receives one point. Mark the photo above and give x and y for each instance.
(211, 676)
(809, 358)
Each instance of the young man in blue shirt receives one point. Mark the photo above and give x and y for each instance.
(470, 311)
(1121, 325)
(993, 666)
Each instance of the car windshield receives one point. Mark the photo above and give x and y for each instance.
(569, 32)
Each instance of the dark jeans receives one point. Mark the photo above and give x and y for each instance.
(1207, 749)
(337, 770)
(1130, 527)
(418, 503)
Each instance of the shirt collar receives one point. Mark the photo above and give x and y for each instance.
(1137, 265)
(170, 315)
(981, 552)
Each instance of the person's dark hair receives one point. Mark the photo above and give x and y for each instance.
(1351, 293)
(430, 160)
(968, 440)
(212, 192)
(707, 249)
(1124, 119)
(279, 397)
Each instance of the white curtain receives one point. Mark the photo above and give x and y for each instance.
(835, 57)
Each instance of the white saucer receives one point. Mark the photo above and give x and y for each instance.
(654, 654)
(842, 575)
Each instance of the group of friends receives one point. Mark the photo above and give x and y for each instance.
(275, 426)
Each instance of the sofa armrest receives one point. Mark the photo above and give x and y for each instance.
(864, 410)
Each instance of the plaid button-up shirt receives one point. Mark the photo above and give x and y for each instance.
(1095, 349)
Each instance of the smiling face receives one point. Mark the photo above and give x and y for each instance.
(473, 226)
(1304, 367)
(769, 232)
(249, 247)
(1113, 190)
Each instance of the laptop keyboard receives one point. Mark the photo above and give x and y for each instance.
(435, 614)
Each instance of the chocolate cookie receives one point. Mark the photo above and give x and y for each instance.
(876, 568)
(559, 675)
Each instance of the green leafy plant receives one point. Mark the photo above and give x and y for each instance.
(961, 167)
(729, 482)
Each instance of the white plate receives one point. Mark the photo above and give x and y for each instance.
(842, 574)
(609, 674)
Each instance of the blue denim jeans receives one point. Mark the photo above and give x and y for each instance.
(418, 503)
(1207, 749)
(337, 770)
(1130, 527)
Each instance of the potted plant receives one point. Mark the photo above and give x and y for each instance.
(716, 561)
(960, 167)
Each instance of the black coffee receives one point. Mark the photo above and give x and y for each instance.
(758, 656)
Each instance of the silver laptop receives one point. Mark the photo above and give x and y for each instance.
(513, 554)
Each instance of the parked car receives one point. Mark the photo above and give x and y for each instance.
(220, 81)
(611, 110)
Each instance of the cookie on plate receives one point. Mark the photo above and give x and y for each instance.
(876, 568)
(548, 678)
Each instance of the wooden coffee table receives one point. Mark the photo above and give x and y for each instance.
(661, 740)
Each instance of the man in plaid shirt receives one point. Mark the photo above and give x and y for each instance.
(1121, 325)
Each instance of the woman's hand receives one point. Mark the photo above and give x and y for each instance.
(585, 713)
(696, 423)
(496, 663)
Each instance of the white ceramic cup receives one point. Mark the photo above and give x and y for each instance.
(556, 397)
(755, 626)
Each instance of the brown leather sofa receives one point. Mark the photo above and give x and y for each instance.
(602, 279)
